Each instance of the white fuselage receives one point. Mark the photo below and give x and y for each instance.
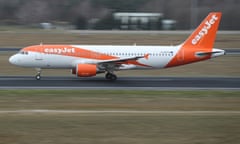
(158, 57)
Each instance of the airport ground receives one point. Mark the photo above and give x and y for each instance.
(120, 116)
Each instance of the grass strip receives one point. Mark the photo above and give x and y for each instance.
(119, 100)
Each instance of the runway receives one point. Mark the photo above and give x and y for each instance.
(123, 83)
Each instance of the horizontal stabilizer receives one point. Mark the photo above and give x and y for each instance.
(212, 53)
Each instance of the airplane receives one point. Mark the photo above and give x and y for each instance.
(90, 60)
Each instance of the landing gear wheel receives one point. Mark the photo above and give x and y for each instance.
(38, 77)
(108, 76)
(111, 76)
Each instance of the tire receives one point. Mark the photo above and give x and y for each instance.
(111, 77)
(108, 76)
(38, 77)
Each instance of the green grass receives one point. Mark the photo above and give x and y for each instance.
(124, 128)
(119, 100)
(119, 129)
(25, 37)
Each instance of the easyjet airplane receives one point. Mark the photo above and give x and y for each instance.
(89, 60)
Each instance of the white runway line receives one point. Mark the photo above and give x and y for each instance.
(114, 88)
(45, 111)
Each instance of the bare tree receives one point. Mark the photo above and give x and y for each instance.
(34, 11)
(180, 10)
(8, 8)
(86, 9)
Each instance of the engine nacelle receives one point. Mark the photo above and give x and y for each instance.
(85, 70)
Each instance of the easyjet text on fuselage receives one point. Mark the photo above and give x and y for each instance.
(59, 50)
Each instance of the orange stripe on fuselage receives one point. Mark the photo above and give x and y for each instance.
(68, 50)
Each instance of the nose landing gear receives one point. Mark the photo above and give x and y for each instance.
(38, 76)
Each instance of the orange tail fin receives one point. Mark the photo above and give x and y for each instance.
(199, 44)
(204, 36)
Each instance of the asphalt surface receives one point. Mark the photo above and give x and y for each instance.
(123, 83)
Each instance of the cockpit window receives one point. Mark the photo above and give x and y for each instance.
(23, 52)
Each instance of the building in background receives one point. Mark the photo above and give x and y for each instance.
(169, 24)
(138, 21)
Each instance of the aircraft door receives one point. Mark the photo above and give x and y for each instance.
(180, 56)
(38, 54)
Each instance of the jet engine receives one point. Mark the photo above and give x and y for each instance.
(85, 70)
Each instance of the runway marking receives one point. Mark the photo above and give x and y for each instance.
(126, 83)
(46, 111)
(114, 88)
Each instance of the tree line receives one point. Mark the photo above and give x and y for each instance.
(82, 13)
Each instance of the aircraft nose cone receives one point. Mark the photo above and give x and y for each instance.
(12, 60)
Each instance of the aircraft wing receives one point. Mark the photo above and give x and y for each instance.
(122, 59)
(113, 63)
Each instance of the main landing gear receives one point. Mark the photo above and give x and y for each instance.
(38, 76)
(108, 76)
(111, 76)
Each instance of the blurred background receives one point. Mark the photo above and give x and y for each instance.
(117, 14)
